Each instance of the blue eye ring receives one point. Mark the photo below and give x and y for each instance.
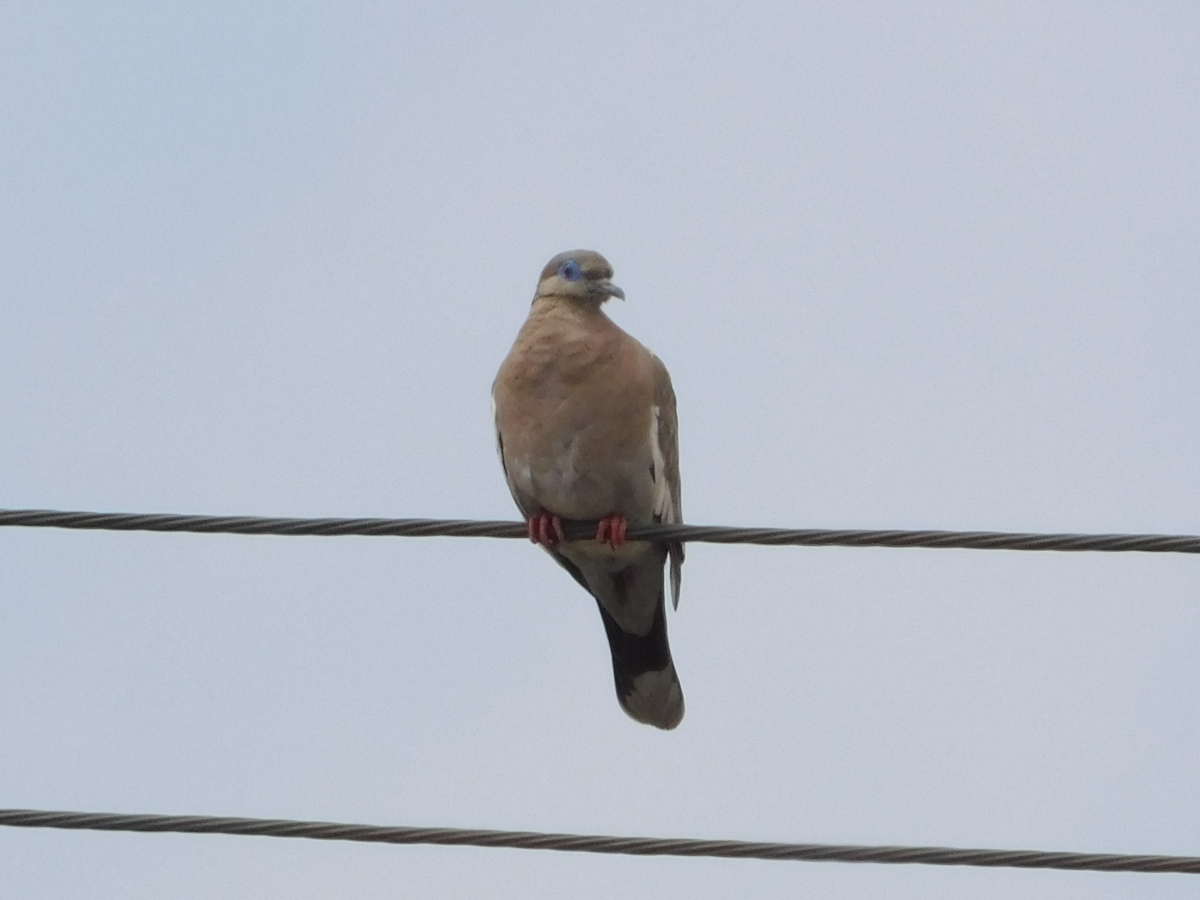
(570, 271)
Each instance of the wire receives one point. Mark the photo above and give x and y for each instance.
(712, 534)
(632, 846)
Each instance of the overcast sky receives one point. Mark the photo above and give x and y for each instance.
(935, 267)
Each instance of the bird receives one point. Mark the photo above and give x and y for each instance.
(587, 430)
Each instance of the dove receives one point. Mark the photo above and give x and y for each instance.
(586, 429)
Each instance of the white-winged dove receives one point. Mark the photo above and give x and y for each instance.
(587, 430)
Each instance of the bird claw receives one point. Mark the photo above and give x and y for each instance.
(546, 529)
(612, 529)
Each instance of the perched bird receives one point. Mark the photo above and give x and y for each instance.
(587, 430)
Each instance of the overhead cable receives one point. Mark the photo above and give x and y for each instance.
(712, 534)
(589, 843)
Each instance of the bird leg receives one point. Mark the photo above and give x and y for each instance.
(612, 529)
(546, 529)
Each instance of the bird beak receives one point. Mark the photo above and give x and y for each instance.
(610, 289)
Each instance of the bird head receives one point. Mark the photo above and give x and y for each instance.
(580, 275)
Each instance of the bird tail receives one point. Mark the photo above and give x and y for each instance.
(647, 686)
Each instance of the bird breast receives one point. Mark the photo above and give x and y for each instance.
(580, 408)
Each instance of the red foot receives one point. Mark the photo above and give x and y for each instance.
(612, 529)
(546, 529)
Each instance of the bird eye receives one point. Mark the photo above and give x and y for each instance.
(570, 271)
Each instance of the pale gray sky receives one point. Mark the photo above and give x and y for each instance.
(924, 268)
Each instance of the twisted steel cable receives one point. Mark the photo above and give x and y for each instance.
(712, 534)
(590, 843)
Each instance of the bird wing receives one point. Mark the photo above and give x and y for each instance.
(666, 437)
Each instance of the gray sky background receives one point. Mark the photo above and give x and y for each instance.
(924, 268)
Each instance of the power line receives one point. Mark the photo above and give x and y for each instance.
(587, 843)
(712, 534)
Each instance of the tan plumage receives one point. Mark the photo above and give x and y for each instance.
(587, 430)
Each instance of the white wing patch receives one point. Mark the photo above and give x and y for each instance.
(520, 477)
(496, 427)
(661, 496)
